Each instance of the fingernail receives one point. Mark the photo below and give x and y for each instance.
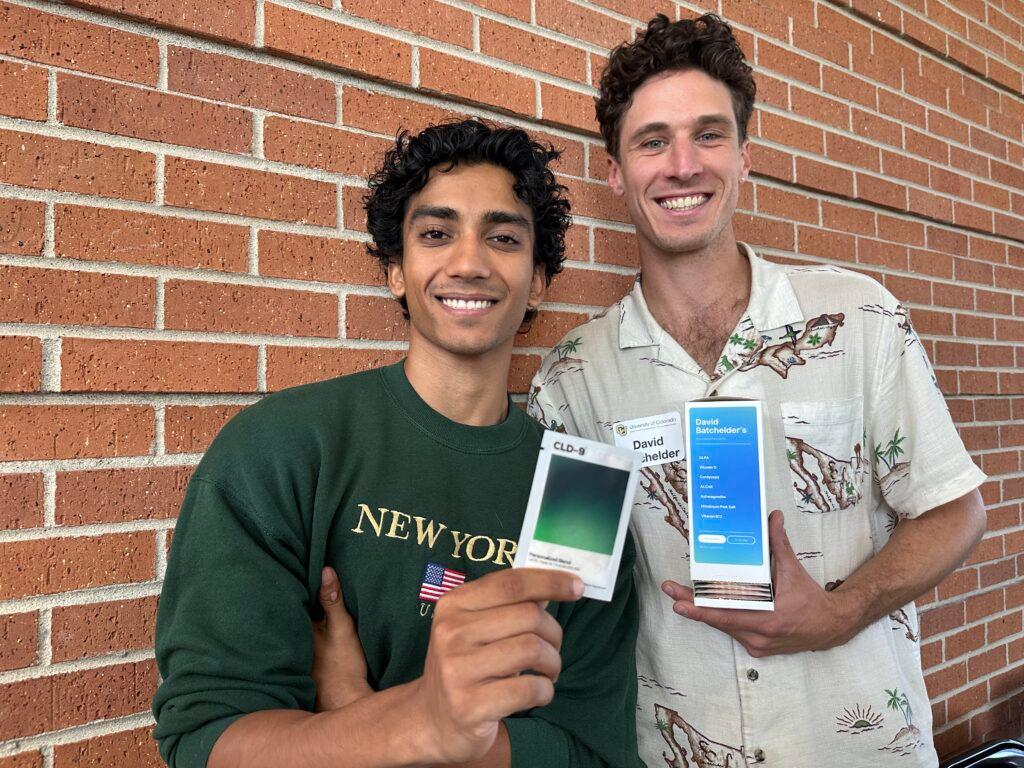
(666, 589)
(577, 586)
(332, 596)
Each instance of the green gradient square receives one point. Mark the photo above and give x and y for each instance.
(581, 505)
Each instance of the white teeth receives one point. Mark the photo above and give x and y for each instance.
(467, 304)
(683, 203)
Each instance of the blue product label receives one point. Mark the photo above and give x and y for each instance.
(726, 508)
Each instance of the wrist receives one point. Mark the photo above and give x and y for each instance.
(420, 731)
(849, 612)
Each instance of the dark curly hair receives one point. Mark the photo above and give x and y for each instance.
(705, 43)
(408, 164)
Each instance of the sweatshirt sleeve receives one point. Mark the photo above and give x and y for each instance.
(591, 721)
(233, 633)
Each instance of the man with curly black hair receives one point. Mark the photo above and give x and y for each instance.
(403, 487)
(880, 497)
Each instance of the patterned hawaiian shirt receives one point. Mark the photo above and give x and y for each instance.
(857, 437)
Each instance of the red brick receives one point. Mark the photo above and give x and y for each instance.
(958, 583)
(323, 259)
(931, 654)
(103, 234)
(48, 566)
(761, 231)
(932, 206)
(103, 693)
(880, 253)
(960, 644)
(232, 20)
(81, 631)
(791, 133)
(517, 9)
(1011, 681)
(822, 242)
(223, 78)
(533, 51)
(786, 204)
(324, 41)
(595, 200)
(898, 165)
(565, 107)
(421, 17)
(972, 216)
(1003, 463)
(318, 146)
(571, 20)
(612, 246)
(26, 708)
(773, 163)
(74, 431)
(900, 107)
(94, 365)
(44, 162)
(477, 83)
(20, 364)
(881, 191)
(986, 663)
(980, 606)
(291, 366)
(24, 89)
(191, 428)
(136, 749)
(353, 210)
(949, 127)
(18, 641)
(374, 317)
(21, 501)
(953, 740)
(21, 227)
(521, 372)
(577, 243)
(945, 680)
(967, 701)
(880, 129)
(98, 105)
(201, 306)
(846, 218)
(47, 38)
(120, 495)
(381, 113)
(900, 230)
(852, 152)
(29, 295)
(974, 271)
(1004, 626)
(955, 353)
(589, 287)
(986, 194)
(942, 619)
(23, 760)
(244, 192)
(792, 65)
(842, 84)
(952, 295)
(950, 182)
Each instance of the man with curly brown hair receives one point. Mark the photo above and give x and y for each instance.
(880, 497)
(410, 482)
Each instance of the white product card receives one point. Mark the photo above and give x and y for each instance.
(578, 512)
(656, 439)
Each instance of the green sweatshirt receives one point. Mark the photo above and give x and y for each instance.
(359, 473)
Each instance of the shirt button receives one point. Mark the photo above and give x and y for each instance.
(759, 755)
(752, 675)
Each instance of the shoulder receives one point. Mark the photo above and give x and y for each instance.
(290, 424)
(599, 334)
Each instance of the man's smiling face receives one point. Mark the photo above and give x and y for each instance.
(467, 270)
(680, 163)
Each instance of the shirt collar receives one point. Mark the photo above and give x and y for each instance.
(773, 304)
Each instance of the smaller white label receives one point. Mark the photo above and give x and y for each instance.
(655, 439)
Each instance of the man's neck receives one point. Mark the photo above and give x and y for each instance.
(679, 286)
(699, 297)
(467, 389)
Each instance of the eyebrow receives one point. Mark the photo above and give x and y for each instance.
(702, 122)
(450, 214)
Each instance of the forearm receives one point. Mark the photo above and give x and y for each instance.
(919, 554)
(377, 731)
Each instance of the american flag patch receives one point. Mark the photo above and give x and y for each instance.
(437, 580)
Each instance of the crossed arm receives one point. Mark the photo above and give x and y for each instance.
(483, 636)
(919, 554)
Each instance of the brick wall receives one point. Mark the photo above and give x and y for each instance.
(180, 232)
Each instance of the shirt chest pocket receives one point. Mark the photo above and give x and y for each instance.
(825, 453)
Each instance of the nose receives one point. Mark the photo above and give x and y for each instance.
(685, 162)
(468, 259)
